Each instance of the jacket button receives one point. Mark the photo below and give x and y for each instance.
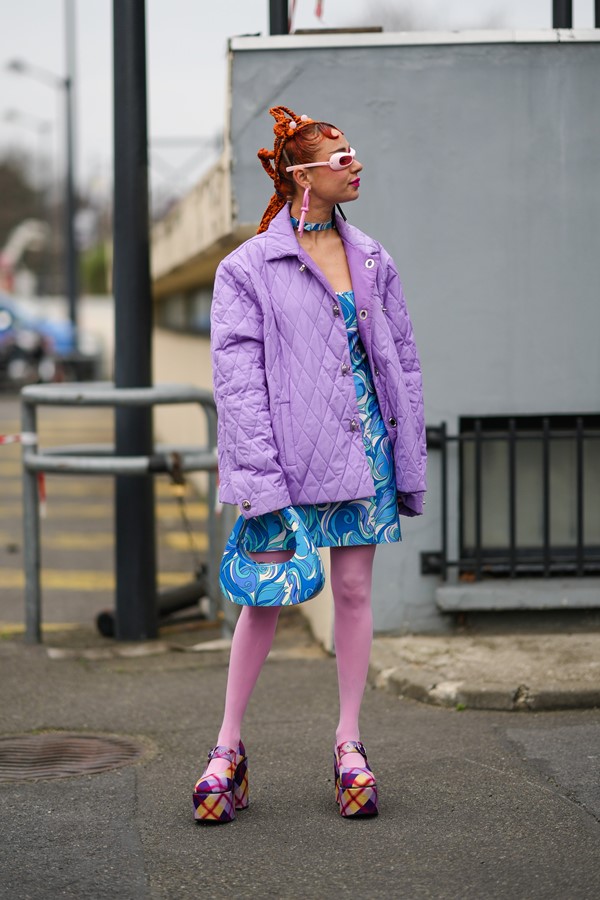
(363, 313)
(369, 263)
(384, 309)
(392, 422)
(302, 267)
(336, 310)
(376, 370)
(345, 368)
(246, 504)
(353, 425)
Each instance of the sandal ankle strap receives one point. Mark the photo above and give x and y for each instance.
(352, 747)
(220, 752)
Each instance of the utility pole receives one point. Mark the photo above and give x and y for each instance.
(562, 13)
(72, 256)
(278, 17)
(135, 563)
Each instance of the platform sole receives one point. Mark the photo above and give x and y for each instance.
(357, 801)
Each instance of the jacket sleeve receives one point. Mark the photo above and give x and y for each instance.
(246, 440)
(410, 504)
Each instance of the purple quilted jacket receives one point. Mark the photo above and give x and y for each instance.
(289, 430)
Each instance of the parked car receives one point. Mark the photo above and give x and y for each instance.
(38, 349)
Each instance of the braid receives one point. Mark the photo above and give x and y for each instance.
(287, 125)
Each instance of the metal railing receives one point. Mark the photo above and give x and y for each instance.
(100, 459)
(515, 557)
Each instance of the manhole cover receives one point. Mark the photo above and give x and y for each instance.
(58, 755)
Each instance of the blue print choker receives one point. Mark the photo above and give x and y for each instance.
(312, 226)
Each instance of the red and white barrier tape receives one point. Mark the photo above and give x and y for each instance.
(25, 437)
(41, 481)
(29, 438)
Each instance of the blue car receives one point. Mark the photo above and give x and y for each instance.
(31, 347)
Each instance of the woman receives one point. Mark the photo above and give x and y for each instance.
(318, 391)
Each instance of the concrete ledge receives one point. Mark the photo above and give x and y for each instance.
(521, 594)
(512, 672)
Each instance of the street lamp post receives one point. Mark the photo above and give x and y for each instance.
(21, 67)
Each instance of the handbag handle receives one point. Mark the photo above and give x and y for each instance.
(291, 519)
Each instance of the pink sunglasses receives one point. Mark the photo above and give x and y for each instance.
(337, 161)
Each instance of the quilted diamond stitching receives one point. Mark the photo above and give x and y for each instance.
(255, 301)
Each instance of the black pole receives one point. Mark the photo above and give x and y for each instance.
(134, 496)
(562, 13)
(72, 266)
(597, 14)
(278, 17)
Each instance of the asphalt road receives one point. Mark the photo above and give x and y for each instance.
(473, 804)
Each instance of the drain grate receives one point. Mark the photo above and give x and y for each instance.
(59, 755)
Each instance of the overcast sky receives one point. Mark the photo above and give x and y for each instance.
(186, 65)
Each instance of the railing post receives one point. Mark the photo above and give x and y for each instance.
(444, 487)
(478, 499)
(512, 496)
(31, 531)
(579, 494)
(546, 494)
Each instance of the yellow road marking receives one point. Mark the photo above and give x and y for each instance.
(58, 510)
(66, 540)
(8, 468)
(179, 540)
(57, 487)
(9, 628)
(54, 579)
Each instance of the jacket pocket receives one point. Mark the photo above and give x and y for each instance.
(289, 447)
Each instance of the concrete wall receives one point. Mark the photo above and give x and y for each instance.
(480, 158)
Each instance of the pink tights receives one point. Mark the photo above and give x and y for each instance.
(351, 577)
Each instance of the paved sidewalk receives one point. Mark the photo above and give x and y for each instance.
(514, 672)
(506, 672)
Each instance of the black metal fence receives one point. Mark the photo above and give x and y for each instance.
(516, 554)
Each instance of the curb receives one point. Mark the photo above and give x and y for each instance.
(421, 684)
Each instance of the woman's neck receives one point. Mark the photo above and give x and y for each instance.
(317, 212)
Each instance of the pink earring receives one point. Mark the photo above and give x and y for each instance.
(304, 209)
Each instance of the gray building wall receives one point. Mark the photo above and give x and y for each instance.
(481, 177)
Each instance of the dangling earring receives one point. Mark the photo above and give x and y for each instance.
(304, 209)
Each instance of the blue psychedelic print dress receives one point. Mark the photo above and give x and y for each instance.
(368, 520)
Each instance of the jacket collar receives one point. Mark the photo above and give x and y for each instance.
(281, 238)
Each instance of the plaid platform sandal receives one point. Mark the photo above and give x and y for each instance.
(217, 796)
(356, 788)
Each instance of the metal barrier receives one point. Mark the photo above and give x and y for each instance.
(514, 556)
(99, 459)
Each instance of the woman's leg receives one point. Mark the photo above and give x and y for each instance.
(351, 578)
(252, 640)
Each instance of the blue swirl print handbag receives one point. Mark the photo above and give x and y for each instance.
(251, 583)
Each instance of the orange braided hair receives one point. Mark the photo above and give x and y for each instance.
(287, 127)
